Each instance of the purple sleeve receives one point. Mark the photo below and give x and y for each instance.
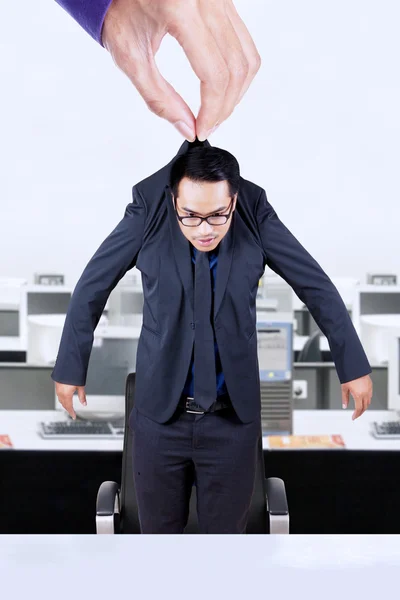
(88, 13)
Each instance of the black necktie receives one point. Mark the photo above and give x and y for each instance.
(205, 383)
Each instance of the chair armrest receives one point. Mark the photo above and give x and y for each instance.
(277, 505)
(108, 508)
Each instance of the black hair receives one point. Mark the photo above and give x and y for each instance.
(205, 163)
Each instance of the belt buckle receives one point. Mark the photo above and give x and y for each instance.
(196, 412)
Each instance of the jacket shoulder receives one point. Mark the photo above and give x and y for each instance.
(249, 194)
(152, 187)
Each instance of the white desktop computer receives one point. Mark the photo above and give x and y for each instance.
(390, 429)
(125, 305)
(112, 358)
(374, 300)
(376, 331)
(274, 299)
(275, 358)
(13, 311)
(44, 335)
(394, 373)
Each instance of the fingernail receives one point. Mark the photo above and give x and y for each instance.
(84, 403)
(343, 406)
(185, 130)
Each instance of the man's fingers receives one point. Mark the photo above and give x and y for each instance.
(133, 37)
(215, 40)
(159, 95)
(361, 390)
(65, 395)
(82, 395)
(360, 407)
(248, 46)
(66, 402)
(209, 65)
(230, 47)
(345, 397)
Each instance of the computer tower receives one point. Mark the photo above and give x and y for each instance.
(275, 357)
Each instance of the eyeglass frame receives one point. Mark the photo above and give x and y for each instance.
(205, 218)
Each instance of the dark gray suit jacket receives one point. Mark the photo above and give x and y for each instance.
(149, 237)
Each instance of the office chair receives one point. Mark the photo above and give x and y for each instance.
(311, 351)
(116, 507)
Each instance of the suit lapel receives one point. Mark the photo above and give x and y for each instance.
(181, 248)
(225, 254)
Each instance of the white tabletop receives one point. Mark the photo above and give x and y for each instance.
(329, 567)
(22, 425)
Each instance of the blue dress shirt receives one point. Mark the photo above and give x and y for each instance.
(188, 389)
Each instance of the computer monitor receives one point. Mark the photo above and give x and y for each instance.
(274, 300)
(374, 300)
(112, 358)
(13, 311)
(48, 299)
(376, 332)
(394, 373)
(44, 336)
(125, 305)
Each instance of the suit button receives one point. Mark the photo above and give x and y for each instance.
(192, 325)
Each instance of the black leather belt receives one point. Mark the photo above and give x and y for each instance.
(190, 406)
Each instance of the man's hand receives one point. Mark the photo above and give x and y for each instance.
(65, 395)
(361, 390)
(215, 40)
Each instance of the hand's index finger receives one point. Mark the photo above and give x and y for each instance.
(210, 67)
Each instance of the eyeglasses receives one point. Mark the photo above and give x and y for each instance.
(211, 219)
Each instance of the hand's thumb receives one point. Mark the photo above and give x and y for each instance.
(82, 395)
(345, 398)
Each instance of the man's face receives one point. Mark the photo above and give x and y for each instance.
(202, 200)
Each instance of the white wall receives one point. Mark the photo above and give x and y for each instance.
(318, 129)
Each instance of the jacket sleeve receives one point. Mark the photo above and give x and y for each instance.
(88, 13)
(115, 256)
(284, 254)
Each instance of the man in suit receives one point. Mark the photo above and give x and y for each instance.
(201, 235)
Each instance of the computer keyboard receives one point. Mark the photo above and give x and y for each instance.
(105, 430)
(386, 429)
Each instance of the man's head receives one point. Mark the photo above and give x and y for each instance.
(204, 182)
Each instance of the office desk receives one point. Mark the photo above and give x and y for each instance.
(51, 486)
(12, 348)
(21, 426)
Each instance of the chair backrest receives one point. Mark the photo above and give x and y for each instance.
(311, 351)
(129, 519)
(258, 521)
